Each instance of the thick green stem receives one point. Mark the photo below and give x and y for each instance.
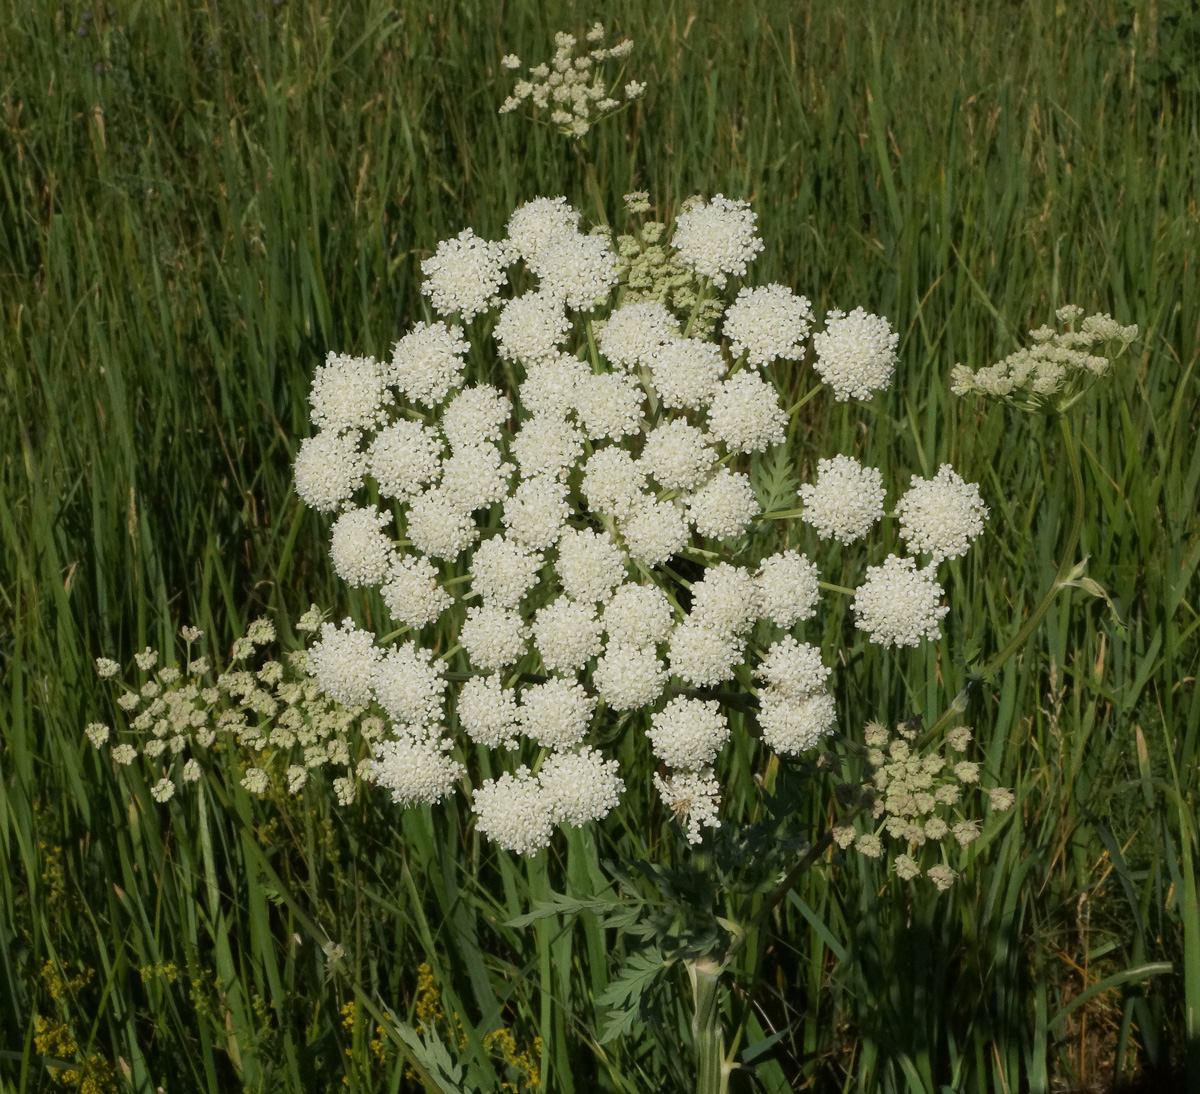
(712, 1069)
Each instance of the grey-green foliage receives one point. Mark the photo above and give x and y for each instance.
(196, 201)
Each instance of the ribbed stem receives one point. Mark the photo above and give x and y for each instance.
(712, 1070)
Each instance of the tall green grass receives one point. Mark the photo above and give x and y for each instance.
(196, 201)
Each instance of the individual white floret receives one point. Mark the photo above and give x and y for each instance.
(415, 767)
(97, 733)
(899, 604)
(515, 812)
(724, 505)
(348, 393)
(163, 790)
(791, 726)
(613, 482)
(638, 615)
(635, 333)
(609, 404)
(403, 458)
(494, 638)
(746, 415)
(717, 237)
(793, 668)
(328, 469)
(589, 564)
(856, 353)
(107, 668)
(361, 552)
(427, 362)
(343, 663)
(464, 274)
(687, 373)
(567, 634)
(677, 455)
(547, 445)
(687, 734)
(942, 515)
(475, 415)
(654, 531)
(487, 711)
(409, 685)
(846, 499)
(788, 588)
(577, 269)
(629, 677)
(556, 712)
(767, 323)
(725, 600)
(549, 386)
(536, 512)
(704, 657)
(535, 223)
(476, 476)
(503, 571)
(580, 786)
(694, 797)
(412, 593)
(439, 526)
(530, 328)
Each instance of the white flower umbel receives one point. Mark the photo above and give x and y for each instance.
(856, 353)
(343, 662)
(536, 512)
(514, 812)
(577, 269)
(412, 593)
(348, 393)
(547, 445)
(534, 224)
(531, 328)
(695, 799)
(687, 734)
(638, 615)
(580, 786)
(555, 713)
(845, 501)
(589, 564)
(791, 726)
(493, 637)
(746, 414)
(677, 455)
(793, 668)
(410, 684)
(475, 415)
(609, 405)
(725, 600)
(475, 476)
(687, 373)
(328, 469)
(427, 362)
(768, 323)
(635, 333)
(567, 633)
(439, 526)
(899, 604)
(654, 531)
(717, 237)
(464, 274)
(629, 677)
(549, 386)
(361, 552)
(503, 571)
(702, 656)
(724, 505)
(613, 482)
(404, 457)
(788, 588)
(941, 516)
(487, 711)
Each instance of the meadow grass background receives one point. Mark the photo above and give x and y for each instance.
(198, 200)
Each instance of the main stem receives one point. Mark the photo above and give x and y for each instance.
(712, 1069)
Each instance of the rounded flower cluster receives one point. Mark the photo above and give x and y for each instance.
(941, 516)
(856, 353)
(898, 604)
(717, 238)
(768, 323)
(846, 499)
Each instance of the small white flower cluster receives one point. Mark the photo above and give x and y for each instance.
(1057, 368)
(573, 87)
(916, 795)
(856, 353)
(286, 723)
